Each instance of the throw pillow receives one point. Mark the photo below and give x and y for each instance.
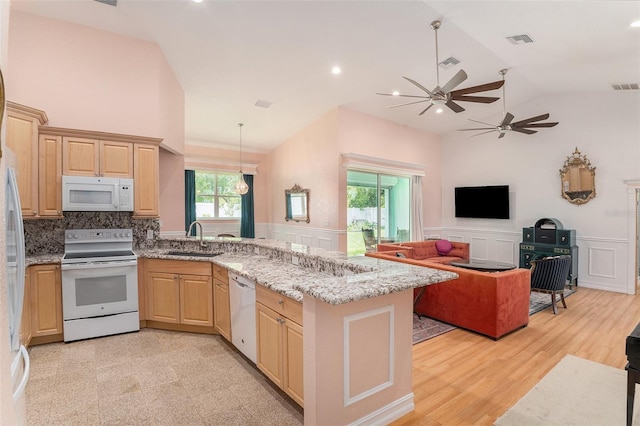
(398, 254)
(443, 247)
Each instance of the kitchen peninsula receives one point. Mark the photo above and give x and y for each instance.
(356, 315)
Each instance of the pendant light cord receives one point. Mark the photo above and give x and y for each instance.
(240, 125)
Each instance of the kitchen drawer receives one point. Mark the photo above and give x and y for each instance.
(179, 267)
(220, 273)
(279, 303)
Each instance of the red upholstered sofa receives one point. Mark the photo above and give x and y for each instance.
(490, 303)
(427, 251)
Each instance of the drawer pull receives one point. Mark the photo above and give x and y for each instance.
(280, 302)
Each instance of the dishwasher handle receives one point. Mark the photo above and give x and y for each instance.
(241, 281)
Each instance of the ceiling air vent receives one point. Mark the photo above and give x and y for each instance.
(449, 62)
(624, 86)
(520, 39)
(262, 103)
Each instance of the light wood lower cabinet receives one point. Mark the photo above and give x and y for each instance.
(279, 342)
(25, 324)
(222, 311)
(45, 294)
(181, 293)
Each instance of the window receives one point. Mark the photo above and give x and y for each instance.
(215, 198)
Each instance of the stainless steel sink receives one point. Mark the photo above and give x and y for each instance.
(191, 253)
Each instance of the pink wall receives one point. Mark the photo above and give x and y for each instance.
(312, 158)
(367, 135)
(94, 80)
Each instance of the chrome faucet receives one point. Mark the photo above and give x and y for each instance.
(195, 222)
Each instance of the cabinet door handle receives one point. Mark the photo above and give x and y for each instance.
(280, 302)
(280, 320)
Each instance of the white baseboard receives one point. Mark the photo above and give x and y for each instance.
(388, 413)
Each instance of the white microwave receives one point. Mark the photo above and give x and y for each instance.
(97, 194)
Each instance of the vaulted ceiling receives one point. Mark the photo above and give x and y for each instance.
(230, 54)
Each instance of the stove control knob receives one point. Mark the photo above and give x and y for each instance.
(74, 236)
(128, 234)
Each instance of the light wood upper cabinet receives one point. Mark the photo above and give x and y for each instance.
(146, 177)
(45, 295)
(22, 139)
(92, 157)
(50, 176)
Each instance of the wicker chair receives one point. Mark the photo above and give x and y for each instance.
(549, 275)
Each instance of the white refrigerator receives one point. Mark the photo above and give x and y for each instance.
(14, 358)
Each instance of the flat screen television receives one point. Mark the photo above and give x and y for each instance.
(482, 202)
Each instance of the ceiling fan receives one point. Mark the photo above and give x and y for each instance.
(445, 95)
(507, 124)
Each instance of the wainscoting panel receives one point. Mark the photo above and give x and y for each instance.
(479, 248)
(602, 262)
(327, 239)
(505, 250)
(365, 379)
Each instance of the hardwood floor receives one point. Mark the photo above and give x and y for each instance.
(462, 378)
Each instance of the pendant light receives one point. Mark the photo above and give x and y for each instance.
(241, 186)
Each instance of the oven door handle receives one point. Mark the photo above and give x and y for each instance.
(95, 265)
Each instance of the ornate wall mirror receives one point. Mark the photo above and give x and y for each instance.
(297, 204)
(577, 177)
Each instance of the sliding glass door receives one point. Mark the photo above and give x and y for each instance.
(378, 210)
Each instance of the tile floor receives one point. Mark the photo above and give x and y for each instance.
(153, 377)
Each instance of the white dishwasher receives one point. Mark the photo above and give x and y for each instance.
(242, 304)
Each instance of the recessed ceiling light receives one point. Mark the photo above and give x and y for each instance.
(395, 93)
(336, 70)
(636, 24)
(197, 1)
(439, 111)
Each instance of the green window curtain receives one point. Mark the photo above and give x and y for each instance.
(189, 200)
(247, 222)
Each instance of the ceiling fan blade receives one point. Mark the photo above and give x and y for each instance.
(482, 122)
(541, 124)
(481, 99)
(455, 81)
(501, 135)
(521, 130)
(531, 120)
(454, 106)
(507, 119)
(404, 96)
(408, 103)
(481, 88)
(418, 85)
(478, 128)
(425, 110)
(484, 133)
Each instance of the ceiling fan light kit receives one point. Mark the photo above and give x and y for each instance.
(445, 95)
(507, 124)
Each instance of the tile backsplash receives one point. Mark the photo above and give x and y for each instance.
(47, 235)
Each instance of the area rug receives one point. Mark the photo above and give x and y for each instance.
(541, 301)
(575, 392)
(426, 328)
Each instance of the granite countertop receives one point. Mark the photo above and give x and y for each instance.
(329, 276)
(381, 276)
